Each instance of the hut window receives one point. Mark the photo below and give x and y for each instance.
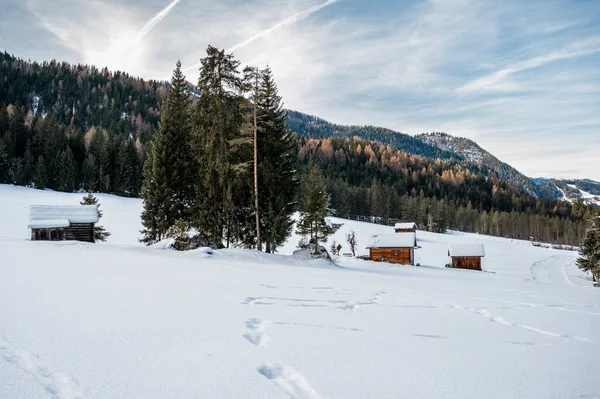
(395, 252)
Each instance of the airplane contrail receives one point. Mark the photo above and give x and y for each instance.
(155, 20)
(299, 16)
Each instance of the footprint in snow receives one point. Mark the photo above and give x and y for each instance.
(256, 334)
(290, 380)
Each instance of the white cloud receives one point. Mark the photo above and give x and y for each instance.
(101, 34)
(497, 80)
(485, 70)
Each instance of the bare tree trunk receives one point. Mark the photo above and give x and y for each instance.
(316, 232)
(258, 241)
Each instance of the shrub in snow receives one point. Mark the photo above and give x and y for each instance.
(100, 234)
(184, 240)
(179, 233)
(352, 241)
(308, 253)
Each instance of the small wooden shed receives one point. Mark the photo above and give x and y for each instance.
(405, 227)
(466, 256)
(62, 222)
(393, 248)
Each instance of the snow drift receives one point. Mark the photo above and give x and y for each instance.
(120, 320)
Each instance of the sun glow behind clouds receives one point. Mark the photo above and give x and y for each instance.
(103, 35)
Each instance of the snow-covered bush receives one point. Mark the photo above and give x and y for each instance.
(179, 232)
(308, 253)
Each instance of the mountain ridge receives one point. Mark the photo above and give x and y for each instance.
(431, 145)
(81, 96)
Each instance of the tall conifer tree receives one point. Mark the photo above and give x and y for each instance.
(40, 175)
(65, 171)
(168, 174)
(221, 147)
(315, 207)
(277, 163)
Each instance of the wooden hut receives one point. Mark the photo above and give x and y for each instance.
(466, 256)
(405, 227)
(393, 248)
(62, 222)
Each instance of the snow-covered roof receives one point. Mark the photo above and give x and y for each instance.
(466, 250)
(409, 225)
(392, 240)
(49, 223)
(46, 216)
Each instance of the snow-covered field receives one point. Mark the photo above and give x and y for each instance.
(120, 320)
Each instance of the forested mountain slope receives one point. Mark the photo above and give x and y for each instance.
(315, 127)
(369, 178)
(471, 151)
(82, 97)
(69, 127)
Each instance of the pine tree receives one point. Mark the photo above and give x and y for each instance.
(589, 251)
(251, 80)
(17, 133)
(4, 163)
(98, 148)
(277, 163)
(100, 234)
(4, 121)
(89, 173)
(65, 171)
(152, 210)
(315, 208)
(28, 162)
(220, 147)
(168, 180)
(122, 173)
(40, 175)
(135, 166)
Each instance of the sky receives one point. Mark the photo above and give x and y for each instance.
(521, 78)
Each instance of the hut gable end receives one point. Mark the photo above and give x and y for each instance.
(393, 248)
(410, 227)
(466, 256)
(466, 251)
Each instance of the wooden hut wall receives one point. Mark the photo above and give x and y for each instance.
(52, 234)
(411, 230)
(80, 232)
(473, 263)
(392, 255)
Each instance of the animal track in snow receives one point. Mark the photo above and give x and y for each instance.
(283, 323)
(58, 384)
(311, 303)
(499, 320)
(255, 301)
(430, 336)
(290, 380)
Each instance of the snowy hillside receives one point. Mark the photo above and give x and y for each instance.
(571, 190)
(471, 151)
(120, 320)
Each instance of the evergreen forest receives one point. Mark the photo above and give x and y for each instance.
(187, 150)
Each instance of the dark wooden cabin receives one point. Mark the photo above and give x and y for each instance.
(393, 248)
(405, 227)
(62, 222)
(466, 256)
